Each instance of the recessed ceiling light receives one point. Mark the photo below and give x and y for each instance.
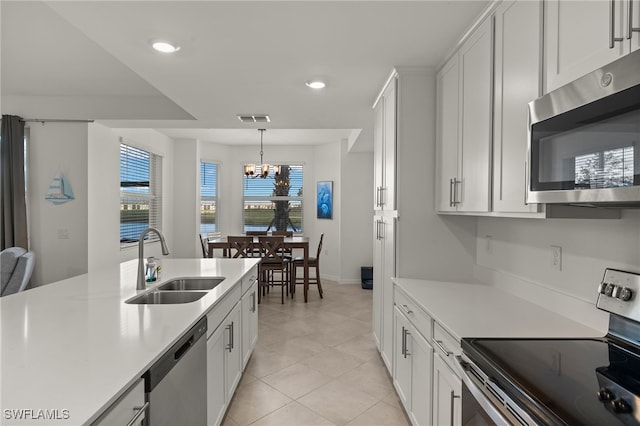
(316, 84)
(165, 47)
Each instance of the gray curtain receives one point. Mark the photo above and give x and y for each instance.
(13, 207)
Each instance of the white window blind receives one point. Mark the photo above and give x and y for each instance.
(208, 197)
(274, 203)
(140, 193)
(606, 169)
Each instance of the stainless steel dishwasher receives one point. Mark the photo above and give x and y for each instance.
(176, 385)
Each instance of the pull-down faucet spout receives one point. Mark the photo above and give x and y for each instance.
(165, 251)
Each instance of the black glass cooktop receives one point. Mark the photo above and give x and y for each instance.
(557, 380)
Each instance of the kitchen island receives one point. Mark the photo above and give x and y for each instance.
(74, 347)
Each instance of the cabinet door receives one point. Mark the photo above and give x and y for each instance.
(377, 283)
(127, 408)
(476, 72)
(388, 194)
(517, 82)
(249, 322)
(578, 35)
(216, 367)
(233, 367)
(421, 354)
(388, 269)
(448, 104)
(378, 155)
(447, 389)
(402, 359)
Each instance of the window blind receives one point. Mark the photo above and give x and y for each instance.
(208, 197)
(140, 193)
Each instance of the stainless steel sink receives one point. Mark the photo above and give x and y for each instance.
(185, 284)
(166, 297)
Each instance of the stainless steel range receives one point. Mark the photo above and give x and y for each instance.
(560, 381)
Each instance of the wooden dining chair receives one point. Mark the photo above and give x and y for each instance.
(255, 233)
(204, 242)
(240, 246)
(273, 260)
(313, 262)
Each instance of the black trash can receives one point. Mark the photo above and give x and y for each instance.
(366, 275)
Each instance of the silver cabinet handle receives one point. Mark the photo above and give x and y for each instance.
(233, 343)
(453, 398)
(455, 191)
(630, 28)
(253, 301)
(380, 230)
(139, 412)
(451, 203)
(612, 25)
(405, 333)
(407, 310)
(230, 345)
(442, 348)
(383, 196)
(404, 344)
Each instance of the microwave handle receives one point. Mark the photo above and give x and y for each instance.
(526, 178)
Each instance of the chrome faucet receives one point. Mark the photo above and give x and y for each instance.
(165, 251)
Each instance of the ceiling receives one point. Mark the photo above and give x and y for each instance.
(93, 60)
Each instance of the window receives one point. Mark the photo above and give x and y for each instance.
(140, 193)
(274, 203)
(208, 197)
(605, 169)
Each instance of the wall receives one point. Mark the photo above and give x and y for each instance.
(520, 253)
(59, 233)
(187, 198)
(356, 205)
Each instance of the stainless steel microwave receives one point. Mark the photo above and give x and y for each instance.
(584, 139)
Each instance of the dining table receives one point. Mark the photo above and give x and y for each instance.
(294, 242)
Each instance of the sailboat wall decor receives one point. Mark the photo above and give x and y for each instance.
(59, 191)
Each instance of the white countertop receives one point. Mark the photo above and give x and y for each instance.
(478, 310)
(75, 345)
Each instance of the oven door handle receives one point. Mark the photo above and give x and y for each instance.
(479, 396)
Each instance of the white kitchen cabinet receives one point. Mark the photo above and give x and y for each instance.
(129, 409)
(466, 188)
(447, 391)
(224, 364)
(581, 36)
(413, 358)
(249, 322)
(385, 147)
(518, 64)
(384, 270)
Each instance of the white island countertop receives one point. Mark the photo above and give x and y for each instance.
(479, 310)
(76, 345)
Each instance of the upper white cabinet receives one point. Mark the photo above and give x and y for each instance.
(518, 63)
(581, 36)
(385, 147)
(464, 130)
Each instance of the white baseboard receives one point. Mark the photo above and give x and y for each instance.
(579, 310)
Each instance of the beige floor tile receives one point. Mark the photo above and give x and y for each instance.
(297, 380)
(293, 414)
(253, 401)
(392, 399)
(338, 403)
(381, 414)
(264, 363)
(368, 379)
(299, 348)
(227, 421)
(332, 362)
(363, 347)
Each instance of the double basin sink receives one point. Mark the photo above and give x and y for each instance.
(179, 290)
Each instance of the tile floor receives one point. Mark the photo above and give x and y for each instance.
(316, 364)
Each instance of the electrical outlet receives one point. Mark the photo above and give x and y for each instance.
(488, 243)
(556, 258)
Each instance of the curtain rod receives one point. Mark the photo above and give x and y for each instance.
(53, 120)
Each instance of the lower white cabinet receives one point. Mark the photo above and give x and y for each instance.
(128, 410)
(447, 391)
(413, 357)
(224, 365)
(249, 322)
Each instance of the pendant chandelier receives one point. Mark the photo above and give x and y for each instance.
(252, 171)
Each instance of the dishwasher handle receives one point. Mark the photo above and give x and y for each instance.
(183, 349)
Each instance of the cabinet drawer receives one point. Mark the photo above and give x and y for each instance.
(445, 345)
(124, 410)
(420, 320)
(249, 279)
(216, 315)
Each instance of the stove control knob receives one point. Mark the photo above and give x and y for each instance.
(620, 406)
(602, 287)
(624, 293)
(609, 290)
(605, 395)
